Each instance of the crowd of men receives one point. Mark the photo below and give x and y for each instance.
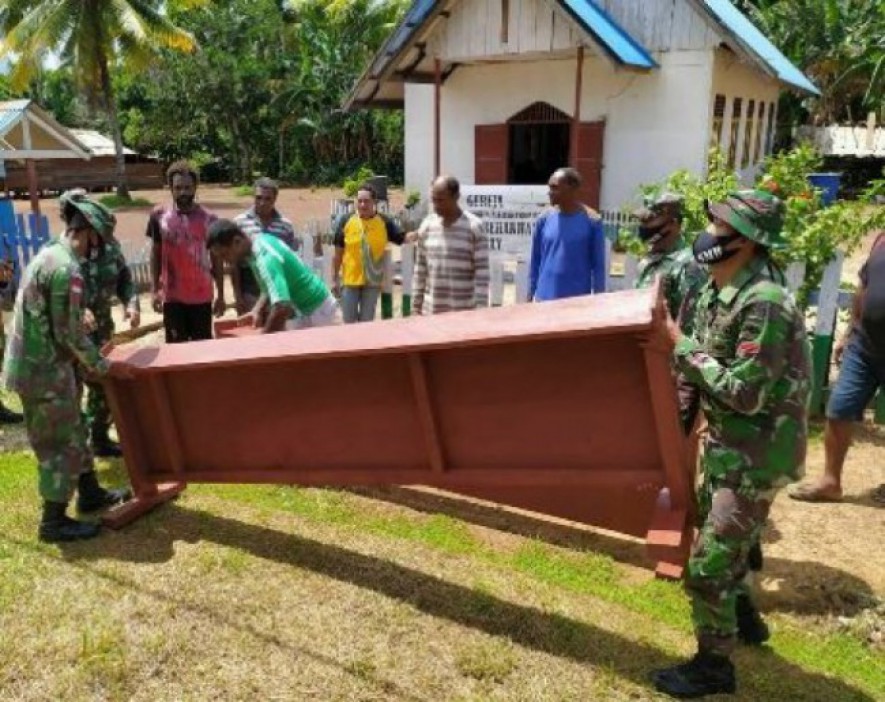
(737, 339)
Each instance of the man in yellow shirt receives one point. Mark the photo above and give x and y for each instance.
(358, 266)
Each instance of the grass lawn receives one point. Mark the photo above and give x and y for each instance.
(278, 593)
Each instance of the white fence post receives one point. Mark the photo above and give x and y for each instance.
(822, 344)
(407, 268)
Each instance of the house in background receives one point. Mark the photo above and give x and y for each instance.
(61, 157)
(501, 92)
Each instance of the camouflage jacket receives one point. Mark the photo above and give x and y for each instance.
(750, 360)
(681, 276)
(107, 276)
(47, 335)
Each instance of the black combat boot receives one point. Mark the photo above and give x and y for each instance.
(752, 629)
(705, 674)
(92, 497)
(56, 526)
(103, 447)
(754, 557)
(7, 416)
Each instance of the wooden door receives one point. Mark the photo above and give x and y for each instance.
(588, 160)
(491, 146)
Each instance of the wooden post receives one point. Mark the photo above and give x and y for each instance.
(437, 84)
(576, 118)
(33, 185)
(30, 166)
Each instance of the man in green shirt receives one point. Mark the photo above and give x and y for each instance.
(749, 359)
(292, 295)
(47, 341)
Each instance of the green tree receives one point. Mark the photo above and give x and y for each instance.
(92, 36)
(839, 44)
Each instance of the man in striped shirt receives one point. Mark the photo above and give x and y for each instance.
(262, 218)
(452, 259)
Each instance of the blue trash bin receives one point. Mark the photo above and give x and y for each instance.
(828, 183)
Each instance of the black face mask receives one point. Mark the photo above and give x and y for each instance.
(709, 249)
(652, 235)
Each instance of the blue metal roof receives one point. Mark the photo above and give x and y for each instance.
(10, 113)
(593, 19)
(414, 19)
(736, 24)
(610, 36)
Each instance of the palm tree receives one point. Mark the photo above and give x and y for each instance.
(91, 36)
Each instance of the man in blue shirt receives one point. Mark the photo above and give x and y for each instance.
(568, 244)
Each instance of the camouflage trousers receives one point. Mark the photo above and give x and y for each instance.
(58, 437)
(732, 516)
(97, 414)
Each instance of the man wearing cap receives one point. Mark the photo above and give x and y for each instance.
(105, 275)
(748, 357)
(669, 255)
(47, 341)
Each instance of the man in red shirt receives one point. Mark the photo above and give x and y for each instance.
(182, 269)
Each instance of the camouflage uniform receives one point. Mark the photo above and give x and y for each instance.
(681, 276)
(105, 277)
(749, 358)
(47, 340)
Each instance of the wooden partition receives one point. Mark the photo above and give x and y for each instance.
(566, 408)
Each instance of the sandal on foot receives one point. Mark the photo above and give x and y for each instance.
(809, 492)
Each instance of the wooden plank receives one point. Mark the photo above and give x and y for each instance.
(169, 438)
(492, 477)
(426, 415)
(666, 414)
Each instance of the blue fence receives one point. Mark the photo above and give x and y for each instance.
(21, 236)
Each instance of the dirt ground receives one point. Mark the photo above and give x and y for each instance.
(818, 555)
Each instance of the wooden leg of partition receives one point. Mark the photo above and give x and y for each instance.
(141, 504)
(148, 493)
(669, 537)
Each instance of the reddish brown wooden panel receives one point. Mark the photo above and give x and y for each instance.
(490, 143)
(558, 407)
(589, 160)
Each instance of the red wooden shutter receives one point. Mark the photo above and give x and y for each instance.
(490, 143)
(589, 160)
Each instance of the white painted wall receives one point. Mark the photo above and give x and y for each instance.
(655, 123)
(419, 137)
(735, 78)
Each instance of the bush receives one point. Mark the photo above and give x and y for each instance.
(814, 233)
(352, 183)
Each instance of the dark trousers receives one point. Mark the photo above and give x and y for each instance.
(185, 322)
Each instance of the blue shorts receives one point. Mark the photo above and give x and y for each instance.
(856, 385)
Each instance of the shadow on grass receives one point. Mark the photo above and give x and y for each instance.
(809, 587)
(153, 540)
(500, 518)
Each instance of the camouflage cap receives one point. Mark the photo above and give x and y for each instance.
(653, 205)
(100, 218)
(757, 214)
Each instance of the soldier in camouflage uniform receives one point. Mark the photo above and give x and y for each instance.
(750, 360)
(105, 275)
(669, 255)
(47, 341)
